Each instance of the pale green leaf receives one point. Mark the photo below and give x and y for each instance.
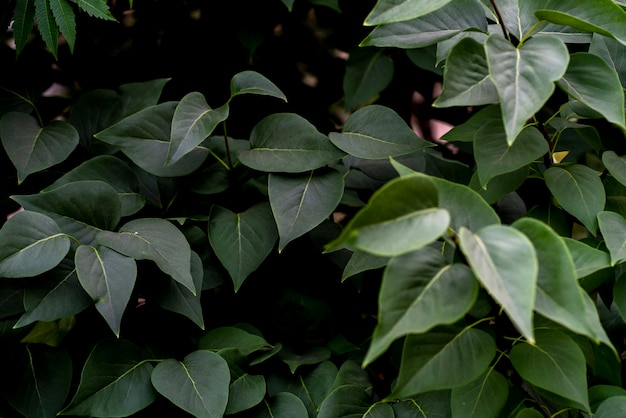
(32, 148)
(31, 244)
(245, 392)
(353, 401)
(115, 382)
(505, 262)
(300, 203)
(587, 259)
(251, 82)
(361, 261)
(242, 241)
(314, 355)
(579, 190)
(443, 359)
(555, 363)
(524, 76)
(613, 52)
(198, 384)
(615, 165)
(481, 398)
(419, 291)
(154, 239)
(377, 132)
(387, 11)
(109, 278)
(368, 72)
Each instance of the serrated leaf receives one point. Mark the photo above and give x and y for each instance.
(400, 217)
(613, 228)
(30, 244)
(387, 11)
(193, 122)
(300, 203)
(251, 82)
(419, 291)
(368, 72)
(286, 142)
(242, 241)
(377, 132)
(442, 359)
(590, 80)
(554, 363)
(437, 26)
(95, 8)
(481, 398)
(23, 16)
(154, 239)
(524, 76)
(198, 384)
(115, 381)
(109, 278)
(505, 262)
(579, 190)
(47, 25)
(283, 404)
(32, 148)
(64, 18)
(612, 52)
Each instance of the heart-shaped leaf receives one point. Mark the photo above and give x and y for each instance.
(288, 143)
(32, 148)
(109, 278)
(419, 291)
(31, 244)
(554, 363)
(251, 82)
(115, 381)
(283, 404)
(157, 240)
(377, 132)
(300, 203)
(387, 11)
(198, 384)
(242, 241)
(368, 72)
(505, 262)
(524, 76)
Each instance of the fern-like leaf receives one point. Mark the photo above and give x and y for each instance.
(47, 26)
(95, 8)
(23, 23)
(64, 17)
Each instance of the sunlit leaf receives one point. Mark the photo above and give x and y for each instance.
(95, 8)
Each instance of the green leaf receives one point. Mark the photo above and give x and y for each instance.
(154, 239)
(437, 26)
(30, 244)
(442, 359)
(419, 291)
(466, 77)
(242, 241)
(524, 76)
(286, 142)
(245, 392)
(64, 18)
(554, 363)
(46, 25)
(387, 11)
(42, 382)
(198, 384)
(558, 296)
(313, 355)
(494, 156)
(400, 217)
(377, 132)
(529, 413)
(613, 228)
(499, 186)
(587, 259)
(109, 278)
(590, 80)
(505, 262)
(467, 131)
(95, 8)
(481, 398)
(22, 23)
(251, 82)
(612, 52)
(615, 165)
(193, 122)
(353, 401)
(605, 17)
(300, 203)
(579, 190)
(283, 404)
(115, 382)
(619, 295)
(612, 407)
(368, 72)
(32, 148)
(361, 261)
(177, 298)
(232, 337)
(50, 333)
(144, 137)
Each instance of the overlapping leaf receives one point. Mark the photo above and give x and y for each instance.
(613, 228)
(251, 82)
(283, 404)
(481, 398)
(353, 400)
(368, 72)
(387, 11)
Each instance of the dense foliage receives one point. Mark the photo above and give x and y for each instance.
(245, 209)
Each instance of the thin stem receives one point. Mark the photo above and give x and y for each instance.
(227, 146)
(547, 159)
(502, 25)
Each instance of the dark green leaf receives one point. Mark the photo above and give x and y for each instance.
(64, 17)
(612, 407)
(32, 148)
(387, 11)
(283, 404)
(245, 392)
(613, 227)
(619, 295)
(368, 72)
(23, 23)
(46, 25)
(50, 333)
(198, 384)
(481, 398)
(499, 186)
(361, 261)
(251, 82)
(353, 401)
(95, 8)
(232, 337)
